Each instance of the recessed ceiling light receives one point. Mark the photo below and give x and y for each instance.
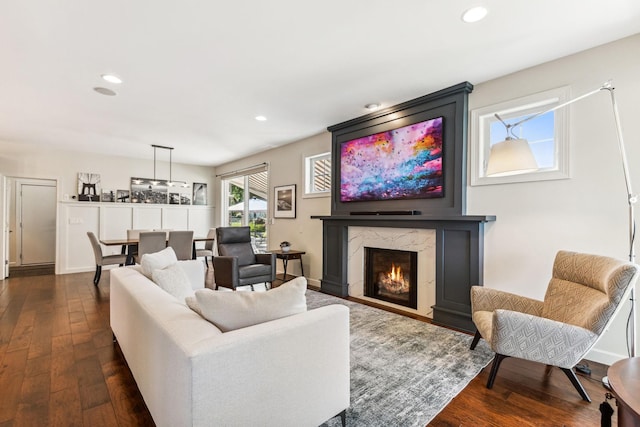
(104, 91)
(261, 118)
(474, 14)
(111, 78)
(372, 106)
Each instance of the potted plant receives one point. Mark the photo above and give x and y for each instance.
(285, 246)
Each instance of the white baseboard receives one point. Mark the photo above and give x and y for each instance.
(604, 357)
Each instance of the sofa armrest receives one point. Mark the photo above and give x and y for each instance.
(293, 370)
(488, 299)
(195, 272)
(225, 270)
(539, 339)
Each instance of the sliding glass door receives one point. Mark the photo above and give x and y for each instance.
(246, 198)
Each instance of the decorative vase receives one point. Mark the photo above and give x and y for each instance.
(285, 246)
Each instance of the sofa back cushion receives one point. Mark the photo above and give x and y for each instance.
(234, 310)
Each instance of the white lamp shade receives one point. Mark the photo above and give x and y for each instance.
(510, 157)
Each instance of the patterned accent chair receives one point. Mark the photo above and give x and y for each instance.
(582, 298)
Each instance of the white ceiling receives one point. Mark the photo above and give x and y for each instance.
(197, 72)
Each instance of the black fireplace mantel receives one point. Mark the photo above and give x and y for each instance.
(459, 257)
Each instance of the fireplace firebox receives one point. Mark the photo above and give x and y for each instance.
(391, 275)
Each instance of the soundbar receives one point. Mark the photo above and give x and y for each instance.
(410, 212)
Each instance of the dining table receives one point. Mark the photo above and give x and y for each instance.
(129, 246)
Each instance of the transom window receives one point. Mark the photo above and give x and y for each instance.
(317, 175)
(547, 135)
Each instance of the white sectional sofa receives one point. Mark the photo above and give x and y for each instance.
(292, 371)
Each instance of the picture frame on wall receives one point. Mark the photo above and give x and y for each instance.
(88, 187)
(284, 201)
(122, 196)
(199, 193)
(108, 196)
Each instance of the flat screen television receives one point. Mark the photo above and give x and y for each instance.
(403, 163)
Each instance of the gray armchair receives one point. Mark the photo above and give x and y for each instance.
(582, 298)
(236, 263)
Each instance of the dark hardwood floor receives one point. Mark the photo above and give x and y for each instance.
(60, 367)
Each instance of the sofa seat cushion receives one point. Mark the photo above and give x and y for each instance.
(157, 261)
(254, 270)
(174, 280)
(235, 310)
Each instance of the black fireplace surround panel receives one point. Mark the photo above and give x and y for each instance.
(459, 237)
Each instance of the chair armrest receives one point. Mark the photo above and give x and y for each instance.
(487, 299)
(225, 271)
(539, 339)
(266, 258)
(269, 259)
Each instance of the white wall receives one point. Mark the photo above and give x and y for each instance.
(73, 253)
(589, 211)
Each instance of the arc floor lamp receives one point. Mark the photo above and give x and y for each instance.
(513, 156)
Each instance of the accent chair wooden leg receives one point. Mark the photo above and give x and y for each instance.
(476, 340)
(96, 277)
(206, 261)
(497, 360)
(576, 383)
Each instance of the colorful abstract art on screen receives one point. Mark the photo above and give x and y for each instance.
(403, 163)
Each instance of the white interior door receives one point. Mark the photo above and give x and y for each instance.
(37, 226)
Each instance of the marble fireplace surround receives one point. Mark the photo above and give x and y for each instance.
(457, 257)
(421, 241)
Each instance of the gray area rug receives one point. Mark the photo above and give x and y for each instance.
(403, 371)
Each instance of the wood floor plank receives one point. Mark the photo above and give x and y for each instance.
(63, 371)
(100, 416)
(65, 409)
(21, 336)
(34, 401)
(11, 378)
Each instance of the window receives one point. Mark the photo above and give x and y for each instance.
(245, 200)
(317, 175)
(547, 135)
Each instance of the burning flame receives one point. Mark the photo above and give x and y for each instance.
(396, 274)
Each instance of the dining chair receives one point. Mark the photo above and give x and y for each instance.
(208, 247)
(103, 259)
(134, 234)
(150, 242)
(182, 244)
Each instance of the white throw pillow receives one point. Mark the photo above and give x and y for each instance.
(157, 261)
(192, 303)
(174, 280)
(235, 310)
